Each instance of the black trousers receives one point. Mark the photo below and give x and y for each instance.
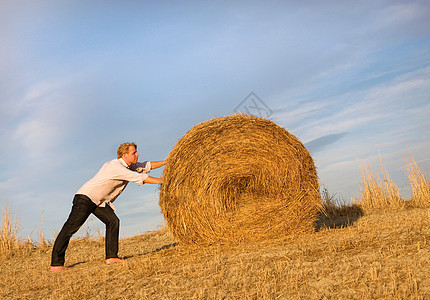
(81, 210)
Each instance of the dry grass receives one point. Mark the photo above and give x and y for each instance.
(336, 213)
(383, 194)
(238, 178)
(420, 185)
(10, 242)
(8, 234)
(379, 194)
(379, 256)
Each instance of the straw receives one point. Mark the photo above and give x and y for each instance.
(238, 178)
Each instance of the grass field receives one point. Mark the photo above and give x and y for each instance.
(360, 251)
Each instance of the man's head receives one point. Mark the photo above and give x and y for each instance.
(128, 152)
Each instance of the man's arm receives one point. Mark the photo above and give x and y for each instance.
(157, 164)
(153, 180)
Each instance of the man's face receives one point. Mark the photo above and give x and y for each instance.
(131, 157)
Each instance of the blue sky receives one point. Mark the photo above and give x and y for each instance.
(351, 79)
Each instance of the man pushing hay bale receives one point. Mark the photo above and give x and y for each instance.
(238, 178)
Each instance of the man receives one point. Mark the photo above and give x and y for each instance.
(97, 197)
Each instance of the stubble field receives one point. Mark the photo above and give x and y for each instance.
(382, 255)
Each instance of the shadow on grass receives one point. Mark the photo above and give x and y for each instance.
(76, 264)
(338, 217)
(165, 247)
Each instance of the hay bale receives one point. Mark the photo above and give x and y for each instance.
(238, 178)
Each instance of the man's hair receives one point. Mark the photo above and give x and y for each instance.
(123, 149)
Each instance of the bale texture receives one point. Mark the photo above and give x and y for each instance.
(238, 178)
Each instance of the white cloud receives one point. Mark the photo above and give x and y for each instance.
(405, 88)
(294, 113)
(347, 124)
(401, 13)
(9, 183)
(39, 118)
(358, 109)
(396, 21)
(37, 135)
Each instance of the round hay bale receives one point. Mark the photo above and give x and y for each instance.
(238, 178)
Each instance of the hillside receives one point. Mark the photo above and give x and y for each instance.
(381, 255)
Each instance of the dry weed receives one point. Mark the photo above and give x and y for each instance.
(377, 193)
(8, 234)
(10, 242)
(334, 206)
(336, 213)
(420, 185)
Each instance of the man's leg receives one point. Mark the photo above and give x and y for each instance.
(109, 218)
(81, 209)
